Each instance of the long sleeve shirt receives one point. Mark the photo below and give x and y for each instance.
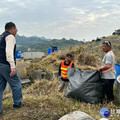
(10, 44)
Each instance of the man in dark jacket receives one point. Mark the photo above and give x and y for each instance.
(8, 71)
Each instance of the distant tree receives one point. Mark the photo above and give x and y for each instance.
(113, 33)
(93, 40)
(71, 39)
(98, 39)
(63, 39)
(103, 37)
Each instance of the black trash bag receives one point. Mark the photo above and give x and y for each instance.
(85, 86)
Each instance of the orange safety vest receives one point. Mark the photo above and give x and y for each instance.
(64, 69)
(112, 66)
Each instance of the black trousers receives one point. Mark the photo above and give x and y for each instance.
(108, 89)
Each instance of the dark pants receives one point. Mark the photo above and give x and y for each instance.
(63, 85)
(108, 89)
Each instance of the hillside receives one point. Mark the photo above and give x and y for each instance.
(42, 99)
(42, 43)
(59, 43)
(87, 56)
(95, 47)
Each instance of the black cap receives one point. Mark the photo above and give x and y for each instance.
(108, 43)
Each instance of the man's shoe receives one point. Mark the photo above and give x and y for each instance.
(2, 112)
(15, 106)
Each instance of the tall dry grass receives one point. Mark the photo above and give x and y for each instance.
(42, 99)
(43, 102)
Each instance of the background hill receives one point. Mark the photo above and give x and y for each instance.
(63, 43)
(42, 43)
(27, 41)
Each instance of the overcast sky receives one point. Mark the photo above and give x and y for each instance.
(77, 19)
